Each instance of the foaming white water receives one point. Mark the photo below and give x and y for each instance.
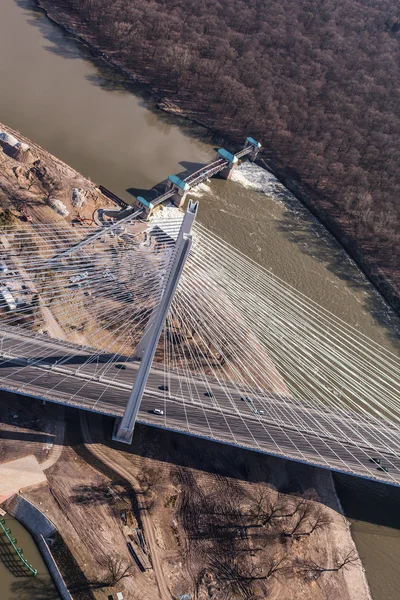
(256, 178)
(200, 190)
(167, 213)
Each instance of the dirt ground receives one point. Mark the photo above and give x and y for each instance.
(86, 507)
(225, 523)
(29, 185)
(215, 542)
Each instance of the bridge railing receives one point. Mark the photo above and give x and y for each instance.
(244, 152)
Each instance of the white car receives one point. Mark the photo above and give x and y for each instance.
(158, 411)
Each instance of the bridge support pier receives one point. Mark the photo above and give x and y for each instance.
(145, 204)
(226, 173)
(123, 430)
(256, 147)
(180, 187)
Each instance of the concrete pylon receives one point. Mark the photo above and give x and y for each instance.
(123, 430)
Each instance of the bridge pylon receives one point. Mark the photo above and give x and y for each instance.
(123, 430)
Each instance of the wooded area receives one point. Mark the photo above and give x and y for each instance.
(315, 80)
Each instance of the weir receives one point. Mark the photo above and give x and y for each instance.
(224, 163)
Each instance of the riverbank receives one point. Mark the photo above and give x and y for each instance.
(31, 179)
(176, 475)
(162, 480)
(384, 280)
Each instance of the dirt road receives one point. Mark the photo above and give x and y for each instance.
(116, 462)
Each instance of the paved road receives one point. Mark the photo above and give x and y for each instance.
(60, 372)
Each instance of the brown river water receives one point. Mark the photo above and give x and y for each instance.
(15, 583)
(55, 93)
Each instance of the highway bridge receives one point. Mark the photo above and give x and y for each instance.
(67, 374)
(165, 316)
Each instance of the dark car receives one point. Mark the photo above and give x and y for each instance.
(209, 394)
(376, 461)
(246, 399)
(164, 388)
(383, 468)
(123, 367)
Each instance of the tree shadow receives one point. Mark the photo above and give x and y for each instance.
(98, 494)
(37, 588)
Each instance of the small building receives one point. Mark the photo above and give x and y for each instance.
(227, 156)
(178, 182)
(143, 202)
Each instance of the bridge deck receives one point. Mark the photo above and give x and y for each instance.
(66, 378)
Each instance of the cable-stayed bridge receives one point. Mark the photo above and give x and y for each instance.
(164, 316)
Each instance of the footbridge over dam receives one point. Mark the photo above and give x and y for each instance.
(177, 188)
(164, 323)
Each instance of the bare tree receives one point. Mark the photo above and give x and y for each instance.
(238, 579)
(307, 519)
(266, 509)
(150, 479)
(116, 569)
(310, 569)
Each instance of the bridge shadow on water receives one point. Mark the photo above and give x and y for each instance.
(369, 501)
(151, 194)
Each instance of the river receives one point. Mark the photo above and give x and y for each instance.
(55, 93)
